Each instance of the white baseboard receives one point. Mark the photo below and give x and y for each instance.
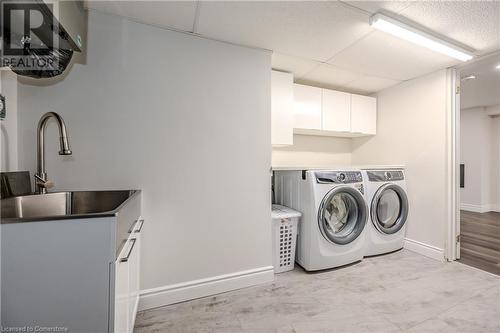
(473, 208)
(424, 249)
(494, 208)
(175, 293)
(480, 208)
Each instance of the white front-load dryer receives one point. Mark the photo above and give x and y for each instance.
(388, 205)
(334, 215)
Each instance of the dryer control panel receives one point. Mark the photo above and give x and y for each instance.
(385, 175)
(338, 177)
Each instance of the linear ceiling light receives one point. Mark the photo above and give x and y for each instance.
(411, 34)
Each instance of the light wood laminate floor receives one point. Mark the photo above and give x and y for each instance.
(480, 240)
(398, 292)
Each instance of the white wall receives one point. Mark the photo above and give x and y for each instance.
(411, 130)
(185, 119)
(313, 151)
(479, 151)
(8, 126)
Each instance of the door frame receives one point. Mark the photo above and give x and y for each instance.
(453, 76)
(452, 244)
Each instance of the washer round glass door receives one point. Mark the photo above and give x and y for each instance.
(389, 209)
(342, 215)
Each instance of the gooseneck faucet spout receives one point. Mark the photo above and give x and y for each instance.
(41, 181)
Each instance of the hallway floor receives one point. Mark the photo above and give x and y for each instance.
(398, 292)
(480, 240)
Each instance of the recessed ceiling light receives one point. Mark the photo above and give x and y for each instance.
(414, 35)
(498, 66)
(469, 77)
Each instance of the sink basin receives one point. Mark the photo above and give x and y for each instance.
(59, 204)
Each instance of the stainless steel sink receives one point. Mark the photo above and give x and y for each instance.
(63, 204)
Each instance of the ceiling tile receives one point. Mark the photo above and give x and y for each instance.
(314, 30)
(473, 23)
(295, 65)
(178, 15)
(375, 6)
(369, 84)
(386, 56)
(328, 76)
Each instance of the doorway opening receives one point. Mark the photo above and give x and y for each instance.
(478, 171)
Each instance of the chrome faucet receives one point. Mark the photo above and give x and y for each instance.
(41, 181)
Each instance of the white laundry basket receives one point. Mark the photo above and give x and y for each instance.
(285, 222)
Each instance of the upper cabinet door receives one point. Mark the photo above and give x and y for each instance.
(281, 108)
(363, 114)
(307, 107)
(336, 111)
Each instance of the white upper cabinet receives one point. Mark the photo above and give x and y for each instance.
(309, 110)
(333, 113)
(363, 115)
(307, 107)
(282, 116)
(336, 111)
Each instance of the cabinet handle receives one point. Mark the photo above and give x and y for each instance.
(140, 228)
(129, 251)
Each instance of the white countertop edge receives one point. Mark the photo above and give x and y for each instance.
(337, 167)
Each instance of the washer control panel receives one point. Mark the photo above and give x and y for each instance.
(385, 175)
(338, 177)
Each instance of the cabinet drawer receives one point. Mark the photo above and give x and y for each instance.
(127, 281)
(121, 291)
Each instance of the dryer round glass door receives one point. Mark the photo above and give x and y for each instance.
(342, 215)
(389, 209)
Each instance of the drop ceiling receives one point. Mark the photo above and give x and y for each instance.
(328, 43)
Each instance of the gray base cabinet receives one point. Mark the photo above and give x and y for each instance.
(79, 275)
(127, 270)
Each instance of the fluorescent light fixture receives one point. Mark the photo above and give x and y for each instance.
(414, 35)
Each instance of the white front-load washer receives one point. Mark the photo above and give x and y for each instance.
(388, 205)
(334, 215)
